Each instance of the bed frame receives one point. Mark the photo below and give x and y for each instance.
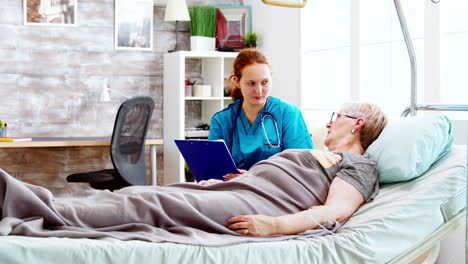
(454, 216)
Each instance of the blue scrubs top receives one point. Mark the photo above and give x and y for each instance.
(248, 143)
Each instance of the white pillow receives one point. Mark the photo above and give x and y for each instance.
(408, 146)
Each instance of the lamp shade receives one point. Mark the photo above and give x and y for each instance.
(176, 10)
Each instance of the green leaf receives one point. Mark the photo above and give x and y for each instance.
(251, 38)
(203, 21)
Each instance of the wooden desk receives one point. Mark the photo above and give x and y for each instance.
(82, 142)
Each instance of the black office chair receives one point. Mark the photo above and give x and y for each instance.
(127, 148)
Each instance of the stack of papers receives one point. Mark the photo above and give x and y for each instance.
(196, 133)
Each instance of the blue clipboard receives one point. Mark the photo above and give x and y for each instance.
(207, 159)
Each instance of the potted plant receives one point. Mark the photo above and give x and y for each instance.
(202, 28)
(251, 39)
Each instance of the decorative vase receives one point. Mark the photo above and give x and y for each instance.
(199, 43)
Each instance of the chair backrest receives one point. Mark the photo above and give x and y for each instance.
(128, 139)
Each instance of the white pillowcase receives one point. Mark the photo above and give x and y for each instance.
(408, 146)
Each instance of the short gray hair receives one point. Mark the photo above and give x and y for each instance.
(376, 120)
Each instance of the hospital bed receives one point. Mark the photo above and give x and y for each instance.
(405, 221)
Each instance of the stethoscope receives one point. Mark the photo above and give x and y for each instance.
(263, 117)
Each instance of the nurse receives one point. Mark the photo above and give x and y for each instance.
(256, 126)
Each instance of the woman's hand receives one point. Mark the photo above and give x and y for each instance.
(229, 176)
(253, 225)
(208, 182)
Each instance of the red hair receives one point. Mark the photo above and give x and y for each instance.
(245, 58)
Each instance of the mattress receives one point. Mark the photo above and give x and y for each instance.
(400, 217)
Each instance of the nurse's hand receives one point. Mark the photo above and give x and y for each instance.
(229, 176)
(208, 182)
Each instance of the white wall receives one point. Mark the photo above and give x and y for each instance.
(279, 37)
(460, 131)
(452, 249)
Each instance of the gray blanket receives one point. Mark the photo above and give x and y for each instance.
(181, 213)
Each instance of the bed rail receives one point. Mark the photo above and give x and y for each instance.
(453, 205)
(454, 208)
(451, 209)
(412, 56)
(411, 110)
(429, 242)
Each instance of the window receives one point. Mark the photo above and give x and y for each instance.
(355, 50)
(454, 54)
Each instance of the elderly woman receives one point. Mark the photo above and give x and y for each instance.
(289, 193)
(352, 175)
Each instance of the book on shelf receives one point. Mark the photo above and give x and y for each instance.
(14, 139)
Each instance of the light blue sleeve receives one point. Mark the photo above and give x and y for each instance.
(216, 131)
(221, 128)
(221, 124)
(295, 132)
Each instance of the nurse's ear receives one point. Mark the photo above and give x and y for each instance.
(236, 81)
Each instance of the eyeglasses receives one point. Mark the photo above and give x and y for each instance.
(336, 115)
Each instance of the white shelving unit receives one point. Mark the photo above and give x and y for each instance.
(215, 67)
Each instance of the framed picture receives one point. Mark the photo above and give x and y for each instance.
(133, 24)
(50, 12)
(232, 22)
